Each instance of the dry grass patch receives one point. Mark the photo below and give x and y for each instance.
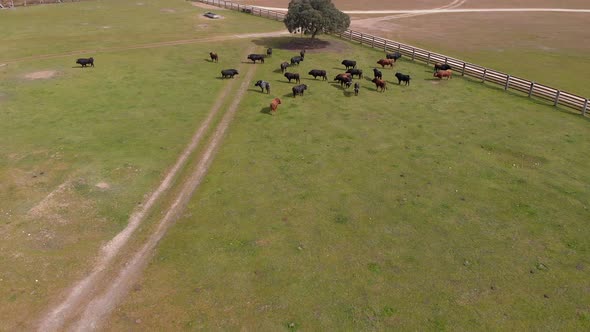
(41, 75)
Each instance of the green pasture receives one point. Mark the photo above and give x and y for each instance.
(123, 123)
(440, 206)
(90, 25)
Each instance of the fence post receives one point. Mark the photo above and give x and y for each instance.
(373, 42)
(446, 60)
(361, 38)
(350, 34)
(428, 59)
(399, 47)
(531, 89)
(585, 107)
(485, 72)
(413, 54)
(556, 98)
(507, 82)
(463, 70)
(385, 46)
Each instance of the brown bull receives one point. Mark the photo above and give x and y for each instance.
(386, 62)
(274, 104)
(443, 73)
(380, 84)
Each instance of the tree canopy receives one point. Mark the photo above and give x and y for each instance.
(315, 17)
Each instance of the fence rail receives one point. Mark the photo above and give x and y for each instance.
(507, 81)
(18, 3)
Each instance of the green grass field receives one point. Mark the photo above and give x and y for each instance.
(442, 205)
(396, 210)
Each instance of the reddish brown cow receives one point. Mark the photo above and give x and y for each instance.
(444, 73)
(380, 84)
(214, 56)
(274, 104)
(386, 62)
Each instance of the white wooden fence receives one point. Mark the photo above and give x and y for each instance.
(506, 81)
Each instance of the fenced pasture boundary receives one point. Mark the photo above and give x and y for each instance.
(506, 81)
(17, 3)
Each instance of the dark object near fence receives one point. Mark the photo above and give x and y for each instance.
(403, 78)
(269, 52)
(395, 56)
(441, 66)
(349, 64)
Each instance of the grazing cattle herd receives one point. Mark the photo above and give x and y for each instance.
(441, 70)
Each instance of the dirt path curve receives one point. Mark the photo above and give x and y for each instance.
(101, 306)
(149, 45)
(79, 293)
(370, 21)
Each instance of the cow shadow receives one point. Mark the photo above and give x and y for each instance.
(288, 95)
(209, 60)
(266, 110)
(348, 93)
(278, 71)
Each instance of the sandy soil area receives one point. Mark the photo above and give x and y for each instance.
(427, 4)
(494, 30)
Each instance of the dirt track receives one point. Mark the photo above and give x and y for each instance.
(146, 46)
(85, 291)
(102, 305)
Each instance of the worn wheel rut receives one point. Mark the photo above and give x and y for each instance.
(84, 291)
(148, 45)
(102, 305)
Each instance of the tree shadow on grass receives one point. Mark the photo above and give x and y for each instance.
(291, 43)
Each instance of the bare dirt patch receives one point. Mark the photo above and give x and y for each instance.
(202, 5)
(167, 10)
(428, 4)
(530, 30)
(41, 75)
(103, 185)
